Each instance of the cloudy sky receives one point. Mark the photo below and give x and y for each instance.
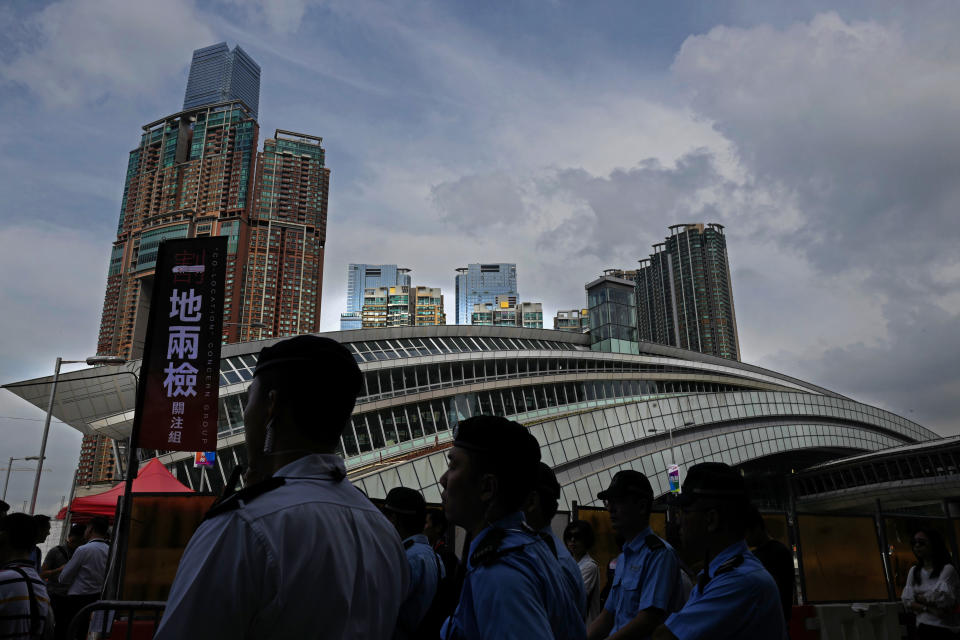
(564, 136)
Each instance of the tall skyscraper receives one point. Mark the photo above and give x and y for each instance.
(197, 173)
(361, 277)
(218, 74)
(191, 176)
(685, 293)
(287, 231)
(480, 283)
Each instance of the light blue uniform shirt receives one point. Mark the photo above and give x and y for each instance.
(740, 601)
(521, 595)
(571, 571)
(426, 571)
(645, 578)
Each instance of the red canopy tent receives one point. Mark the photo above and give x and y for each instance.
(152, 477)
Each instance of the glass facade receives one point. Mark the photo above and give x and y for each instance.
(219, 74)
(612, 313)
(482, 283)
(361, 277)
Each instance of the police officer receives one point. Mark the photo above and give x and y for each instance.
(514, 587)
(301, 554)
(539, 510)
(406, 509)
(734, 596)
(647, 585)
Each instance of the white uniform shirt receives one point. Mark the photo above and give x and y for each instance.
(87, 569)
(312, 558)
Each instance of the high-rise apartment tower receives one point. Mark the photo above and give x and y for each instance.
(685, 293)
(197, 173)
(288, 231)
(480, 283)
(218, 74)
(190, 176)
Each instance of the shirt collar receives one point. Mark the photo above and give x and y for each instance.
(418, 538)
(734, 549)
(638, 540)
(314, 464)
(511, 521)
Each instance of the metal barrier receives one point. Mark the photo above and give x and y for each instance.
(118, 619)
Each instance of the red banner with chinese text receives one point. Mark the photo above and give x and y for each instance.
(181, 361)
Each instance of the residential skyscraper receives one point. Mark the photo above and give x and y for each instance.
(685, 293)
(218, 74)
(287, 231)
(197, 173)
(480, 283)
(361, 277)
(402, 306)
(190, 176)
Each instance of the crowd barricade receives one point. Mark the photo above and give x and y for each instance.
(118, 619)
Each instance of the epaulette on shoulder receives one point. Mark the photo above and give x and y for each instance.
(248, 494)
(654, 543)
(488, 550)
(729, 565)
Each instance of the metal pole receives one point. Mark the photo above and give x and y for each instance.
(46, 432)
(673, 460)
(6, 482)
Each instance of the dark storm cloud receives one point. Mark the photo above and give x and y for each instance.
(856, 121)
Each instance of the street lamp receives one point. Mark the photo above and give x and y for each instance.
(92, 360)
(249, 325)
(6, 482)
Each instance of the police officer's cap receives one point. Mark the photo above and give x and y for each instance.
(405, 501)
(713, 481)
(504, 441)
(627, 483)
(313, 357)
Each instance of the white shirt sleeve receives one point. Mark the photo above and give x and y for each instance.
(944, 593)
(589, 571)
(225, 582)
(72, 567)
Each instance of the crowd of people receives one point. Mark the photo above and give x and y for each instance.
(301, 552)
(38, 598)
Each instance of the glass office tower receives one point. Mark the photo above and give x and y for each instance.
(218, 74)
(482, 283)
(361, 277)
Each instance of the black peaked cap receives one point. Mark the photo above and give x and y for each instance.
(405, 501)
(627, 482)
(504, 441)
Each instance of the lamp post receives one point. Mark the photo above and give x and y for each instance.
(6, 482)
(249, 325)
(92, 360)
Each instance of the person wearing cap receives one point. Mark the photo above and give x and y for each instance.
(301, 553)
(539, 510)
(647, 585)
(735, 597)
(514, 587)
(406, 509)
